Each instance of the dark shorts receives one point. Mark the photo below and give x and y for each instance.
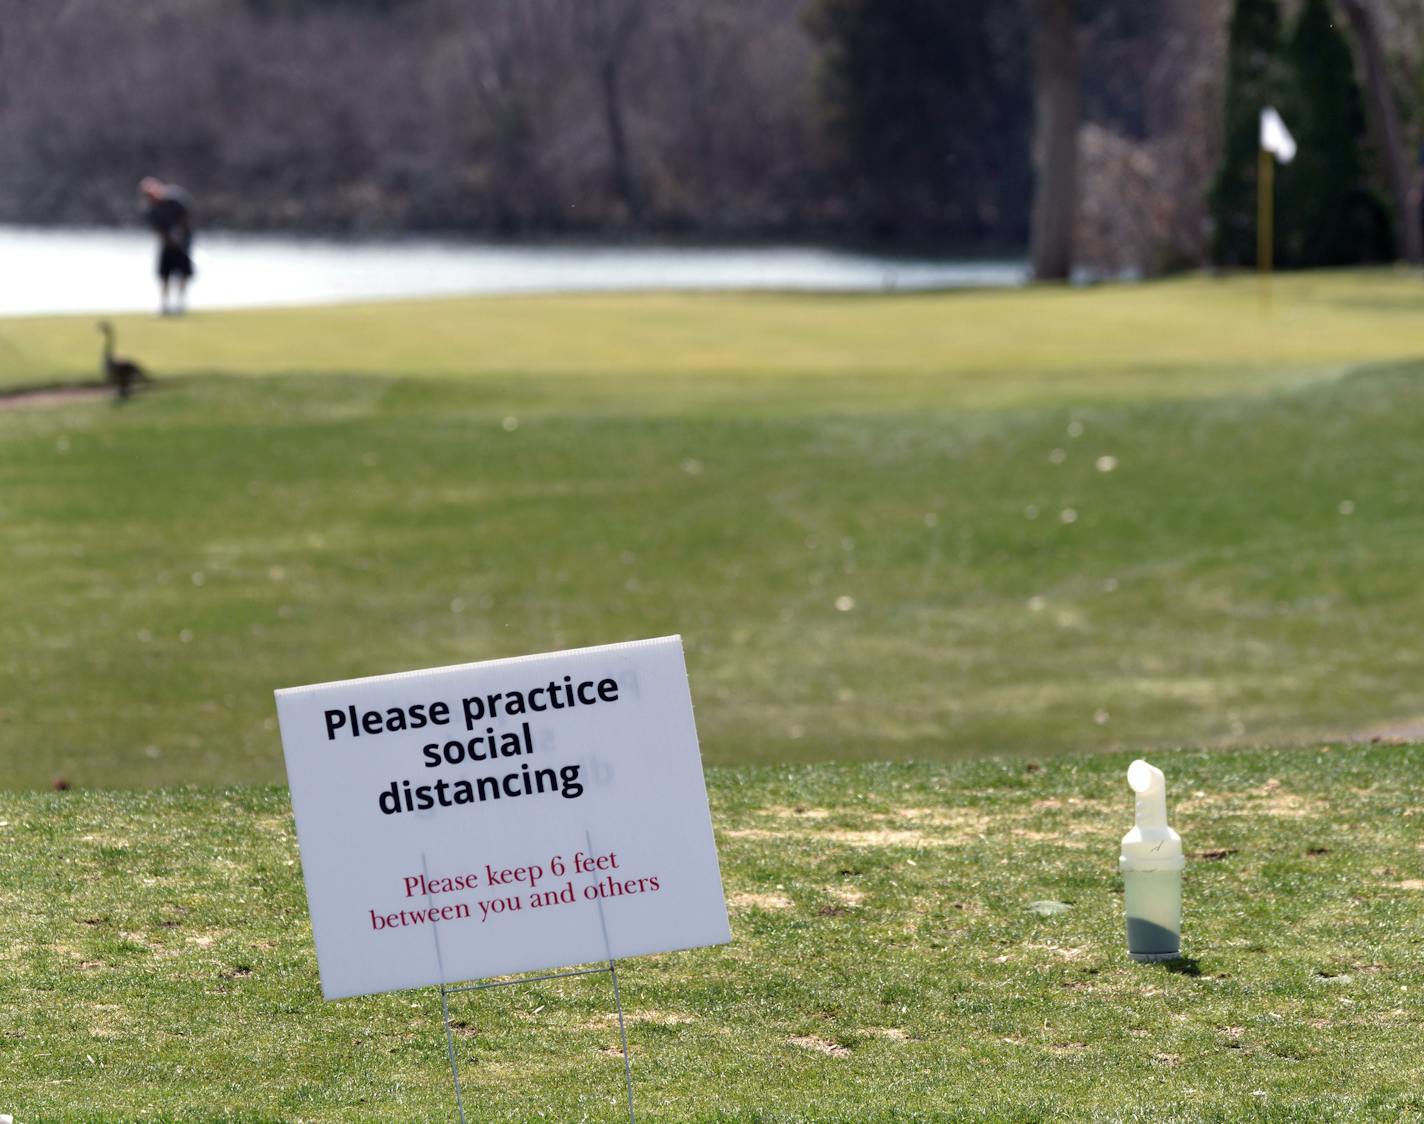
(174, 261)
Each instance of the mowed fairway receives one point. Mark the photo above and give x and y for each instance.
(888, 527)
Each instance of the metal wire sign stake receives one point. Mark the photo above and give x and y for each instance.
(611, 969)
(446, 992)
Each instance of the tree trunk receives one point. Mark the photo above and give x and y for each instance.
(620, 173)
(1384, 118)
(1055, 139)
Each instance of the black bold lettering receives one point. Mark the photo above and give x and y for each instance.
(488, 788)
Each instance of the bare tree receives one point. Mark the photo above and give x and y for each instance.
(1055, 140)
(1384, 123)
(608, 30)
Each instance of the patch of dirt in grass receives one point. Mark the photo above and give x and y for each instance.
(850, 896)
(1067, 1047)
(819, 1045)
(1269, 800)
(799, 812)
(1066, 952)
(652, 1018)
(958, 818)
(746, 899)
(875, 838)
(1059, 838)
(53, 397)
(882, 837)
(1398, 732)
(932, 827)
(892, 1033)
(1167, 1059)
(105, 840)
(1409, 884)
(1286, 804)
(143, 941)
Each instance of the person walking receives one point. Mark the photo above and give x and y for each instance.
(170, 213)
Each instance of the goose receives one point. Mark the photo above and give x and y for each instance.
(123, 373)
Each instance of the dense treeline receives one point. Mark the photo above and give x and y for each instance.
(903, 121)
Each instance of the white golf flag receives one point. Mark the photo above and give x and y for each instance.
(1275, 137)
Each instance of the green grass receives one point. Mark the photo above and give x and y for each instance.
(524, 475)
(1180, 338)
(896, 533)
(157, 961)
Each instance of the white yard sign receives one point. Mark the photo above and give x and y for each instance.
(489, 818)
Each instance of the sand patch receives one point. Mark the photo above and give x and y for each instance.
(891, 1033)
(1409, 884)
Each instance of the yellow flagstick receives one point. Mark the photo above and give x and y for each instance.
(1265, 222)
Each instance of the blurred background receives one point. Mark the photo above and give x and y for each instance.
(910, 125)
(905, 494)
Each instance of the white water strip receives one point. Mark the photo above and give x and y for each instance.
(67, 270)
